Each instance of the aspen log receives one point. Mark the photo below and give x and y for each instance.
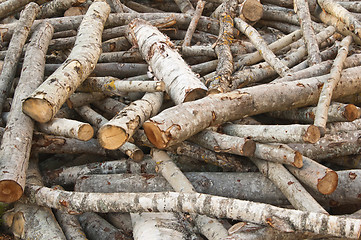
(181, 83)
(172, 126)
(15, 48)
(19, 131)
(47, 99)
(196, 203)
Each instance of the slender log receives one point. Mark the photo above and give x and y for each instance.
(116, 44)
(283, 27)
(132, 151)
(9, 7)
(117, 6)
(121, 221)
(275, 13)
(109, 106)
(193, 24)
(278, 153)
(172, 126)
(304, 17)
(67, 128)
(335, 127)
(141, 7)
(115, 86)
(329, 85)
(211, 228)
(341, 13)
(47, 99)
(289, 185)
(97, 227)
(122, 56)
(274, 133)
(335, 145)
(91, 116)
(222, 79)
(80, 99)
(181, 83)
(316, 176)
(261, 46)
(226, 184)
(15, 48)
(251, 11)
(196, 203)
(19, 131)
(69, 223)
(352, 6)
(337, 112)
(185, 6)
(56, 8)
(122, 126)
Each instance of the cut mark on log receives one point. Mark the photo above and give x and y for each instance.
(10, 191)
(328, 183)
(38, 109)
(312, 134)
(111, 137)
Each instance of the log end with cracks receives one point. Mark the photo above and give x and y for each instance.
(38, 109)
(10, 191)
(111, 137)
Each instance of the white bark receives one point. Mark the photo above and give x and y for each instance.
(47, 99)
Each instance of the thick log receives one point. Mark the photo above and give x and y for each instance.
(19, 131)
(172, 126)
(15, 48)
(47, 99)
(181, 83)
(196, 203)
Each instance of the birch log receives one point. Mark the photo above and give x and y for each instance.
(172, 126)
(9, 7)
(121, 127)
(47, 99)
(211, 228)
(57, 8)
(19, 131)
(15, 48)
(220, 207)
(167, 65)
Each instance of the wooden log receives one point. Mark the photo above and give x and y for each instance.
(122, 56)
(209, 227)
(171, 126)
(109, 106)
(195, 203)
(329, 85)
(181, 83)
(97, 227)
(337, 112)
(115, 86)
(80, 99)
(67, 128)
(227, 184)
(223, 143)
(352, 6)
(283, 27)
(56, 8)
(91, 116)
(122, 126)
(8, 8)
(16, 45)
(19, 131)
(274, 133)
(47, 99)
(334, 128)
(261, 46)
(289, 185)
(193, 24)
(251, 11)
(185, 6)
(304, 17)
(121, 221)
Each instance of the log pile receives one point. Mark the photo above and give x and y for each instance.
(184, 119)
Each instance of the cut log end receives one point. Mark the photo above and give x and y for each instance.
(111, 137)
(351, 112)
(249, 147)
(252, 10)
(195, 94)
(298, 160)
(312, 134)
(86, 132)
(38, 109)
(10, 191)
(155, 135)
(328, 183)
(137, 155)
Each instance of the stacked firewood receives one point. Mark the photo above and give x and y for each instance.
(184, 119)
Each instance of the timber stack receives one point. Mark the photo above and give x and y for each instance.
(184, 119)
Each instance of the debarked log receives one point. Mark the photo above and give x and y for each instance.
(220, 207)
(167, 65)
(47, 99)
(172, 125)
